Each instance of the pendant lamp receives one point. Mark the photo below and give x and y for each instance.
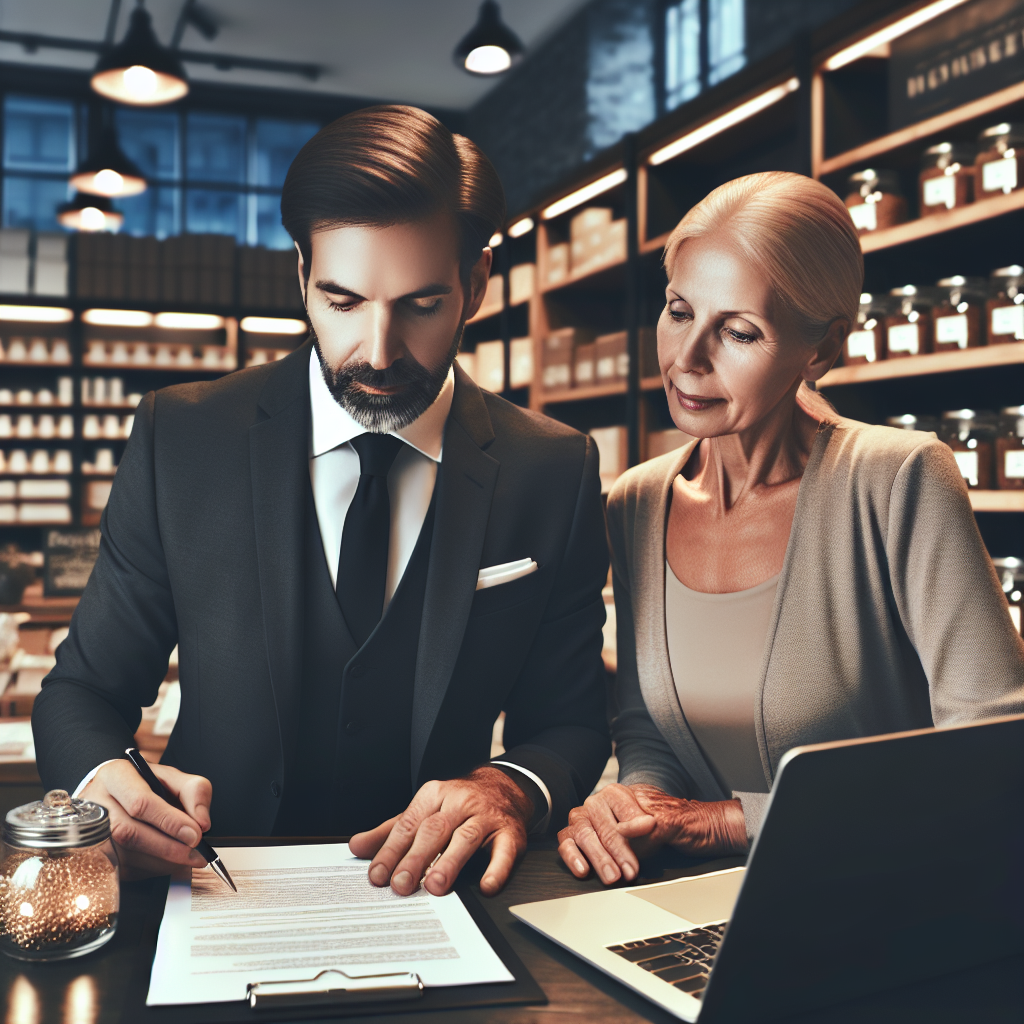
(107, 171)
(140, 71)
(89, 213)
(490, 47)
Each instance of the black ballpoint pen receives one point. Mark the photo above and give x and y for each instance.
(211, 856)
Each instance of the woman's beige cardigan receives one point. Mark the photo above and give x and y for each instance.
(888, 614)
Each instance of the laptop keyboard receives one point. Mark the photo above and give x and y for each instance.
(682, 959)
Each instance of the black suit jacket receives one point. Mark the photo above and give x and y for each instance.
(202, 547)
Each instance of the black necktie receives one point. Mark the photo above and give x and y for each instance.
(363, 563)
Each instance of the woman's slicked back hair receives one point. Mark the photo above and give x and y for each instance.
(389, 165)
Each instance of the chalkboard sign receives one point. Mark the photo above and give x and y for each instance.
(68, 558)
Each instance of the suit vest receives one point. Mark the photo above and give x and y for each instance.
(348, 767)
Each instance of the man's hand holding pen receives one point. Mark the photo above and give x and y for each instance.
(446, 823)
(150, 834)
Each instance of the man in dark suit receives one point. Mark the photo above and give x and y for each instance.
(362, 557)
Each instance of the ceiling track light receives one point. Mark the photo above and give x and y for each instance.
(87, 212)
(490, 47)
(139, 71)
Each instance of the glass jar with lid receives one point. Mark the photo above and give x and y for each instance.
(971, 435)
(995, 166)
(958, 318)
(947, 176)
(1005, 306)
(1010, 449)
(874, 200)
(911, 421)
(59, 889)
(908, 325)
(866, 342)
(1011, 578)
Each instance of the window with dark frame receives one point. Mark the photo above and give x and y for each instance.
(704, 43)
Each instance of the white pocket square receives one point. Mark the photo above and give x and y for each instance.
(504, 573)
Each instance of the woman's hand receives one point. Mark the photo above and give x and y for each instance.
(622, 823)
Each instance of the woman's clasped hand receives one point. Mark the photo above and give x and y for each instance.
(620, 824)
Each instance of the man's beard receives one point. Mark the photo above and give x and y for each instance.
(381, 414)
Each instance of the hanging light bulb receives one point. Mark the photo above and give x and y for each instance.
(107, 171)
(140, 71)
(89, 213)
(490, 47)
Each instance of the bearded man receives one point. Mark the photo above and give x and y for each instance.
(362, 558)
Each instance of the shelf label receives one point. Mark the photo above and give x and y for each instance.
(865, 216)
(1013, 464)
(999, 175)
(904, 338)
(940, 192)
(861, 343)
(952, 329)
(968, 463)
(1009, 320)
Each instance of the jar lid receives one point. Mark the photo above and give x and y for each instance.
(58, 821)
(1013, 410)
(1008, 563)
(1010, 129)
(1014, 270)
(875, 179)
(908, 421)
(960, 414)
(969, 285)
(946, 153)
(918, 295)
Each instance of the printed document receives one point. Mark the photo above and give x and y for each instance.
(300, 910)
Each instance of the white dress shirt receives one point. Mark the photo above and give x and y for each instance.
(334, 475)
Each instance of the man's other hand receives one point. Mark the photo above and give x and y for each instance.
(446, 823)
(151, 836)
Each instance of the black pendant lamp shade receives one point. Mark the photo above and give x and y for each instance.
(107, 171)
(491, 47)
(89, 213)
(139, 70)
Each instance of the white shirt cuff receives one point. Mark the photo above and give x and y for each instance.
(85, 782)
(541, 825)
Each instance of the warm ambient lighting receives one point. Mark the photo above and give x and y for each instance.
(521, 227)
(140, 71)
(107, 171)
(89, 213)
(490, 47)
(36, 314)
(890, 32)
(488, 60)
(118, 318)
(724, 121)
(189, 321)
(272, 325)
(496, 239)
(581, 195)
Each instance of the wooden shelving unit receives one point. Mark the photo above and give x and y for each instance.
(920, 366)
(997, 501)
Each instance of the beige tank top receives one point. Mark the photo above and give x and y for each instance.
(715, 646)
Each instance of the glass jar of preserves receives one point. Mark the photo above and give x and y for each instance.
(874, 200)
(971, 435)
(908, 326)
(866, 342)
(59, 891)
(995, 166)
(910, 421)
(958, 318)
(1010, 449)
(1005, 306)
(947, 177)
(1011, 578)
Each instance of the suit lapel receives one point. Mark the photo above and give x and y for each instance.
(279, 463)
(465, 487)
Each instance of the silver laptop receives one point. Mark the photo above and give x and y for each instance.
(880, 862)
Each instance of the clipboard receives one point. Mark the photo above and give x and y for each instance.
(386, 996)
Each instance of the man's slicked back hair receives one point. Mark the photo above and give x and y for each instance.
(387, 165)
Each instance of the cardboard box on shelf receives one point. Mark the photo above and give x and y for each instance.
(612, 361)
(557, 264)
(557, 356)
(494, 297)
(591, 220)
(522, 280)
(467, 360)
(13, 274)
(584, 365)
(520, 359)
(490, 365)
(612, 454)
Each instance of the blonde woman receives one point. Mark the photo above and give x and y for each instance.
(789, 576)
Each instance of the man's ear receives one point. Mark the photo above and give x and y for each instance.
(303, 276)
(478, 277)
(826, 352)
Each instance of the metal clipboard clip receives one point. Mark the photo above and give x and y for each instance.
(333, 987)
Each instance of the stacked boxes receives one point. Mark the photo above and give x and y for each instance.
(14, 260)
(558, 356)
(520, 360)
(490, 365)
(612, 454)
(522, 280)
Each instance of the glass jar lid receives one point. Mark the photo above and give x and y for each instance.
(912, 296)
(908, 421)
(1010, 570)
(58, 821)
(872, 180)
(1002, 136)
(1007, 279)
(1014, 417)
(958, 287)
(946, 154)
